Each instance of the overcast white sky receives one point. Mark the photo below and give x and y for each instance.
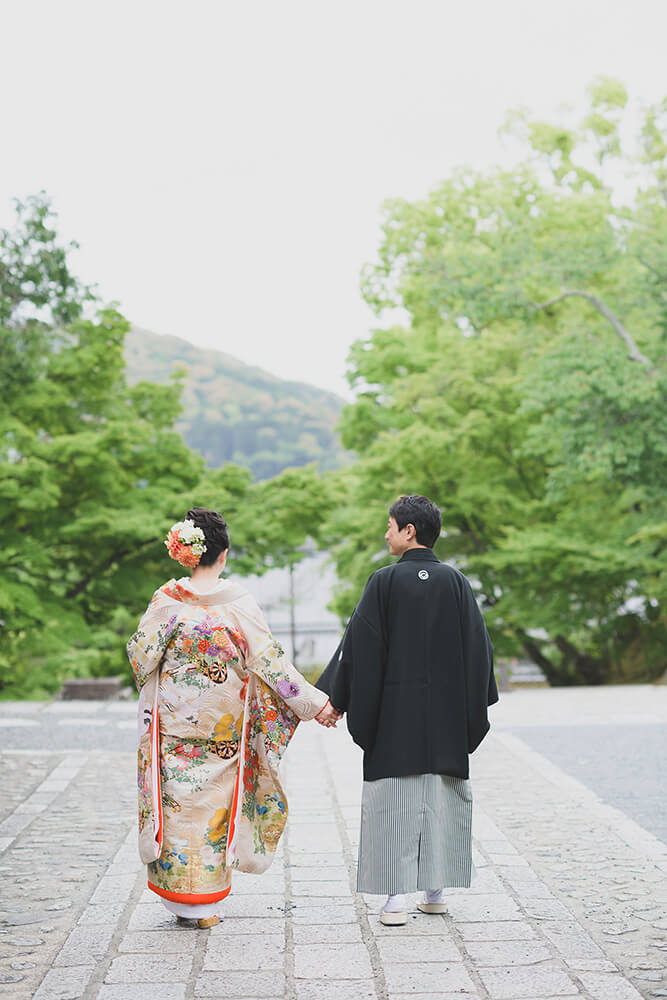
(223, 164)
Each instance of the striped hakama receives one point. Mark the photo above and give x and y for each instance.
(416, 833)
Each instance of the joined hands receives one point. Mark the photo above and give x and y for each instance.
(329, 716)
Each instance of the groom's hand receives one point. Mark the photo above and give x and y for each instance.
(328, 716)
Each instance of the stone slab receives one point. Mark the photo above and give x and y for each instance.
(571, 940)
(517, 983)
(180, 939)
(592, 863)
(141, 991)
(321, 890)
(114, 889)
(267, 885)
(435, 996)
(327, 913)
(590, 965)
(320, 860)
(433, 977)
(263, 951)
(308, 873)
(494, 906)
(336, 989)
(429, 948)
(253, 905)
(86, 945)
(497, 930)
(91, 688)
(321, 961)
(546, 909)
(64, 984)
(102, 913)
(239, 985)
(506, 953)
(247, 926)
(603, 986)
(150, 968)
(151, 917)
(314, 838)
(331, 934)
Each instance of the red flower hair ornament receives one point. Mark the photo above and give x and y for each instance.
(185, 543)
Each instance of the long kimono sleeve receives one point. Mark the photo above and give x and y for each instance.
(480, 681)
(145, 650)
(335, 680)
(354, 677)
(147, 646)
(267, 660)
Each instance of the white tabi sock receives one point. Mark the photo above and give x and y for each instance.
(434, 896)
(194, 911)
(395, 904)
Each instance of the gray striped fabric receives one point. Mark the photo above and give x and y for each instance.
(416, 833)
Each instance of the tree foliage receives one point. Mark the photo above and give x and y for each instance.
(92, 474)
(525, 393)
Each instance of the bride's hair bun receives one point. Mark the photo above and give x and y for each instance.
(216, 532)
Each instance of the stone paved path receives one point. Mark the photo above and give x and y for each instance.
(570, 898)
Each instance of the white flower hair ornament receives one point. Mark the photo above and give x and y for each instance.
(185, 543)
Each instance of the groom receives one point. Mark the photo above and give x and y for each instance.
(414, 672)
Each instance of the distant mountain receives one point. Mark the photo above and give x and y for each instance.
(236, 413)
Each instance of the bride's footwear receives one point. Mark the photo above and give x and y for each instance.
(208, 921)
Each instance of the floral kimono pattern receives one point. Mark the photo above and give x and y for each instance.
(218, 705)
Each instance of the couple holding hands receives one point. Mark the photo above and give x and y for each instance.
(219, 702)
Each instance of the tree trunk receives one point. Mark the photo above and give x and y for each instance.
(575, 667)
(588, 669)
(534, 653)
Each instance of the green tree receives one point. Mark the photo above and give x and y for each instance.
(91, 471)
(93, 474)
(526, 394)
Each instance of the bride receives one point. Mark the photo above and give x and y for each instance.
(218, 705)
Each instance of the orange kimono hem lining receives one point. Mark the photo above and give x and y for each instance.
(190, 897)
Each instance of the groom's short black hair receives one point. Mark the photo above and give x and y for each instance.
(421, 512)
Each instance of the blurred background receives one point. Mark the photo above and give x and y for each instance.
(291, 261)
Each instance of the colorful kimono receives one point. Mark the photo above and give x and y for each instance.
(218, 705)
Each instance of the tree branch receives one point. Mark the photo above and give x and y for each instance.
(633, 351)
(116, 556)
(477, 541)
(517, 468)
(649, 267)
